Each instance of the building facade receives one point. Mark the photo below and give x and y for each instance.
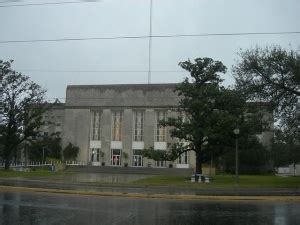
(112, 124)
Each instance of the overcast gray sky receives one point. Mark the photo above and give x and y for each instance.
(110, 18)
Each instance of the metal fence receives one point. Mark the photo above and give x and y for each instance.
(41, 164)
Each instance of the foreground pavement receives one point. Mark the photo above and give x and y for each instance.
(20, 184)
(40, 208)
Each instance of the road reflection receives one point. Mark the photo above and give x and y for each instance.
(43, 208)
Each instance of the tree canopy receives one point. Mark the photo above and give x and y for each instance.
(207, 114)
(23, 106)
(272, 74)
(49, 146)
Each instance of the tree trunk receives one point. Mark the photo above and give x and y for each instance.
(198, 163)
(7, 157)
(7, 164)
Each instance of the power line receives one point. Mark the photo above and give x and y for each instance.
(45, 3)
(152, 36)
(100, 71)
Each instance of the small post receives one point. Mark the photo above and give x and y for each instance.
(236, 132)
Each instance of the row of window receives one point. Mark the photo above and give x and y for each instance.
(117, 126)
(137, 158)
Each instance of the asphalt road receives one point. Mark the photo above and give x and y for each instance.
(48, 208)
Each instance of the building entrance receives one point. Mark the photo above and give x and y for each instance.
(116, 157)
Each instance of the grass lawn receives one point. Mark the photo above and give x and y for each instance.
(226, 181)
(219, 181)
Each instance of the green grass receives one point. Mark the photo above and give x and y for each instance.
(218, 181)
(226, 181)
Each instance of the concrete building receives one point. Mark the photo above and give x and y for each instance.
(53, 121)
(111, 124)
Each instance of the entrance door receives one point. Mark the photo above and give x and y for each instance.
(95, 156)
(116, 157)
(137, 159)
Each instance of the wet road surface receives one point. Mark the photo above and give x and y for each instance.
(46, 208)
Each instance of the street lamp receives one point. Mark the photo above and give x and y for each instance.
(236, 131)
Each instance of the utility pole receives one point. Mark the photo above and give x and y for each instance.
(236, 132)
(43, 157)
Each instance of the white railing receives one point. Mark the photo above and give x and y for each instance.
(76, 163)
(47, 163)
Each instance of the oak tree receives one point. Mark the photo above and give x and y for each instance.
(23, 106)
(207, 114)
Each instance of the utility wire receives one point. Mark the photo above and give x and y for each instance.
(101, 71)
(152, 36)
(43, 4)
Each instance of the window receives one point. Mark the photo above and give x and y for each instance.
(138, 125)
(117, 125)
(160, 163)
(160, 132)
(95, 126)
(137, 158)
(183, 158)
(95, 155)
(116, 157)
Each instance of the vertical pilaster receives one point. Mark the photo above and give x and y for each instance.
(149, 132)
(127, 135)
(106, 135)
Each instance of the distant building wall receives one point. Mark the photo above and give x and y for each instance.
(106, 121)
(83, 101)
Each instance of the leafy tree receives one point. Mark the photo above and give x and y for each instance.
(1, 141)
(286, 146)
(207, 114)
(23, 106)
(273, 74)
(50, 146)
(270, 73)
(253, 157)
(70, 152)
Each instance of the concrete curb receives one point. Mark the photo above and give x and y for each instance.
(153, 196)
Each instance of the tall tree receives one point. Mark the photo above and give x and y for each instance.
(286, 146)
(253, 157)
(270, 74)
(207, 114)
(1, 141)
(23, 106)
